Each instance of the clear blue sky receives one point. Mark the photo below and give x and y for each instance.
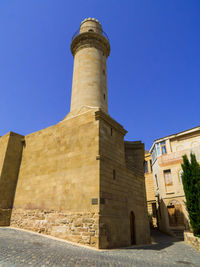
(153, 68)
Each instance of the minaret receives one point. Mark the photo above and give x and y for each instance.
(90, 48)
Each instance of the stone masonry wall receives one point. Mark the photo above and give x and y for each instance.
(59, 169)
(192, 240)
(122, 191)
(58, 181)
(79, 227)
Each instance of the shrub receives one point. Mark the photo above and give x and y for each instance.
(191, 185)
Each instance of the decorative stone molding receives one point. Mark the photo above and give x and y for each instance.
(90, 39)
(102, 115)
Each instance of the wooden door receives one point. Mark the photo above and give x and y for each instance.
(176, 217)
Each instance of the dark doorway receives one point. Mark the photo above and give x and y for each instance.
(132, 228)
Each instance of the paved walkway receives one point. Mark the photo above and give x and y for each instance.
(19, 248)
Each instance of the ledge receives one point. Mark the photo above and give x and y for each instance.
(101, 115)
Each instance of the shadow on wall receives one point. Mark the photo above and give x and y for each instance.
(12, 153)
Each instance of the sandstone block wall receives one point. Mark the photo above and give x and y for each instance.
(59, 176)
(74, 183)
(79, 227)
(89, 86)
(134, 154)
(192, 240)
(122, 191)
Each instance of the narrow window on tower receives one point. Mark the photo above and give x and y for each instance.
(104, 96)
(114, 174)
(111, 131)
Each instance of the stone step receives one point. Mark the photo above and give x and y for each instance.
(178, 233)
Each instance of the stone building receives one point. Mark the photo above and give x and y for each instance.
(167, 155)
(78, 180)
(150, 192)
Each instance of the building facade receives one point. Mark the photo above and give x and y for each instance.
(167, 155)
(150, 192)
(78, 180)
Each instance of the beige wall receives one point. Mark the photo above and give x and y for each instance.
(122, 193)
(188, 141)
(89, 86)
(59, 177)
(65, 168)
(134, 154)
(55, 172)
(150, 191)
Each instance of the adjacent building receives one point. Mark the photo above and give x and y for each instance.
(166, 159)
(150, 192)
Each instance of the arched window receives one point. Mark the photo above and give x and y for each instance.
(132, 228)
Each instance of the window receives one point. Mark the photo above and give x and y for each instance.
(114, 174)
(104, 96)
(153, 154)
(158, 151)
(163, 147)
(111, 131)
(168, 181)
(146, 166)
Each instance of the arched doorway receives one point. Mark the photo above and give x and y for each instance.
(175, 213)
(132, 228)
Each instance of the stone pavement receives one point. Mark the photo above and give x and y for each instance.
(19, 248)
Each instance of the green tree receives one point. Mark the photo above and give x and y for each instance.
(191, 185)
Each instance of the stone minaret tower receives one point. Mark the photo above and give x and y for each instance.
(82, 182)
(90, 48)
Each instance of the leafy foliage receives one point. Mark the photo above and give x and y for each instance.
(191, 185)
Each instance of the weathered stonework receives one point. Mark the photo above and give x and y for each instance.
(192, 240)
(79, 227)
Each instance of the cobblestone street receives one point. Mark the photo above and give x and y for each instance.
(20, 248)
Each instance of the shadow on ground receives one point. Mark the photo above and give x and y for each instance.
(159, 241)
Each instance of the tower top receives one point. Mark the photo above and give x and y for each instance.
(91, 25)
(91, 19)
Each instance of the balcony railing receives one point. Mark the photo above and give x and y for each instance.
(90, 29)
